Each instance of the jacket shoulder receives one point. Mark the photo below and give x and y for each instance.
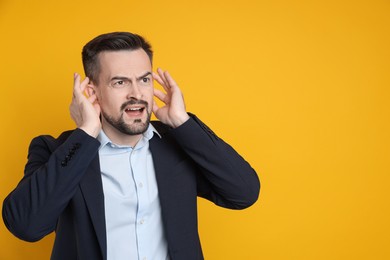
(51, 141)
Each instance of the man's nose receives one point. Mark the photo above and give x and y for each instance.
(134, 91)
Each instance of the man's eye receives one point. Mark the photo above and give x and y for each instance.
(119, 83)
(145, 80)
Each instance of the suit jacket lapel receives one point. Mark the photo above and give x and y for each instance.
(165, 159)
(162, 164)
(165, 156)
(92, 189)
(168, 158)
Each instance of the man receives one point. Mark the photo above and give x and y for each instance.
(118, 187)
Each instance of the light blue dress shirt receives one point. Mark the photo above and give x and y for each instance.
(132, 206)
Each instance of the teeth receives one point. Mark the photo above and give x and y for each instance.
(134, 109)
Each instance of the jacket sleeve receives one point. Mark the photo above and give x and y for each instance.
(50, 180)
(225, 178)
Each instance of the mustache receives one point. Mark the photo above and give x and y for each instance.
(134, 102)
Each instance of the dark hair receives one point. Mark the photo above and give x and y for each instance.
(115, 41)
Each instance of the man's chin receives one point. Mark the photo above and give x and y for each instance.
(126, 126)
(137, 128)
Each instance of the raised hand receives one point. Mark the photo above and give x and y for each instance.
(173, 113)
(84, 108)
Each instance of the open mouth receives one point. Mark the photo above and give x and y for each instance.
(134, 111)
(134, 108)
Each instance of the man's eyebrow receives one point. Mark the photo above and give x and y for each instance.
(144, 75)
(120, 78)
(126, 78)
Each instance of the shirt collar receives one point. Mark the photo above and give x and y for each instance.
(104, 139)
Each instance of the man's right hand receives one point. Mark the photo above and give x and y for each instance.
(84, 108)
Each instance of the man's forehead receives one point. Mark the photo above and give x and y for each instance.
(131, 62)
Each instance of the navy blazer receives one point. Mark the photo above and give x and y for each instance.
(62, 190)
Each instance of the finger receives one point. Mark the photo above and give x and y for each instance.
(155, 107)
(163, 77)
(161, 95)
(76, 83)
(79, 88)
(160, 80)
(170, 80)
(84, 84)
(76, 88)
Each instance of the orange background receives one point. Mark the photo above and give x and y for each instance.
(299, 88)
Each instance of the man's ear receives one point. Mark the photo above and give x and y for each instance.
(91, 89)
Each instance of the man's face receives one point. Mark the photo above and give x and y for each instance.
(125, 91)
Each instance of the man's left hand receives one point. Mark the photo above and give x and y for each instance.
(173, 113)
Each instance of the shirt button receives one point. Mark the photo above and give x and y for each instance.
(141, 184)
(142, 221)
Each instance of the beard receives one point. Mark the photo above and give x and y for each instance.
(136, 127)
